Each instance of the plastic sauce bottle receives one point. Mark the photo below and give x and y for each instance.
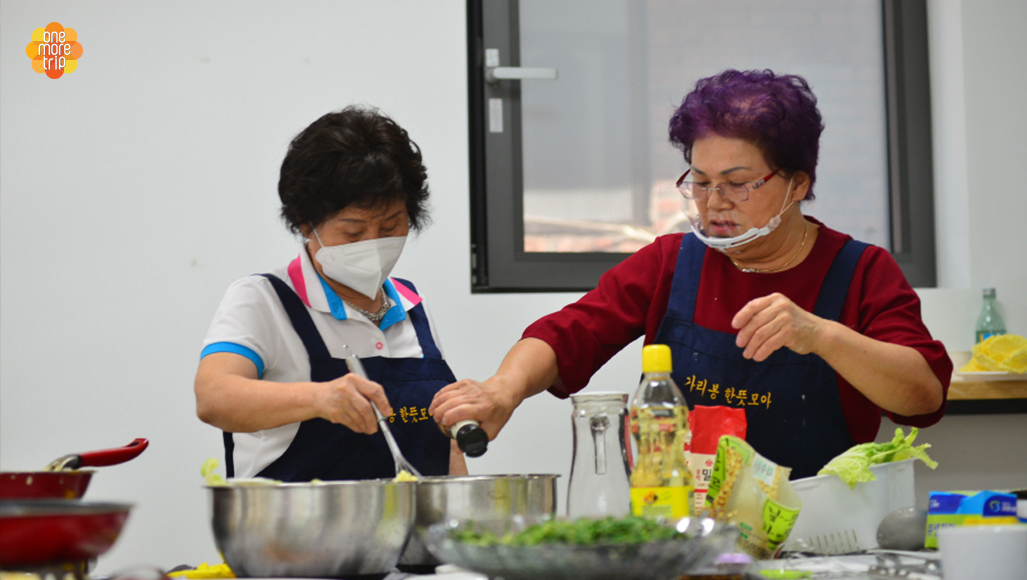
(661, 483)
(990, 322)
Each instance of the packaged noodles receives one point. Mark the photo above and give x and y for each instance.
(754, 493)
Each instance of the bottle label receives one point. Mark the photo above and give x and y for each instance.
(983, 335)
(668, 502)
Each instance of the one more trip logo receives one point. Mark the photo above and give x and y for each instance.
(54, 50)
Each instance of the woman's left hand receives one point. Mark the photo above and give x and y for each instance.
(771, 322)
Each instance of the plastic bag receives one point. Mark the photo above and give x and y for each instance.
(708, 424)
(754, 493)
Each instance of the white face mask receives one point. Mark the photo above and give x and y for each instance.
(692, 212)
(362, 266)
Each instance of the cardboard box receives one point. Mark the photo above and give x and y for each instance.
(967, 508)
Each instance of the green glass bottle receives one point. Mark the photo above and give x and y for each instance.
(990, 322)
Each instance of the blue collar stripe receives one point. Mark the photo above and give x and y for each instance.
(334, 302)
(396, 313)
(338, 308)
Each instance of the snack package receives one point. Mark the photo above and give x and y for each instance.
(754, 493)
(708, 424)
(967, 508)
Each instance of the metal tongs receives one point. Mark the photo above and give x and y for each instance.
(357, 368)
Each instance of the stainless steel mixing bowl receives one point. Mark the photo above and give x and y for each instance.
(313, 530)
(473, 497)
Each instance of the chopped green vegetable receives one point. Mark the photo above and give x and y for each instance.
(583, 531)
(853, 466)
(207, 471)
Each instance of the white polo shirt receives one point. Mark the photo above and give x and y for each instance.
(252, 322)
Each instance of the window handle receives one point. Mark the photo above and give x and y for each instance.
(494, 74)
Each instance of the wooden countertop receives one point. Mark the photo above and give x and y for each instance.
(983, 397)
(962, 389)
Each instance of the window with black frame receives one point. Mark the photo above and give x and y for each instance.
(571, 167)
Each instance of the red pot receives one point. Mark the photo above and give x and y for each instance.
(62, 479)
(35, 532)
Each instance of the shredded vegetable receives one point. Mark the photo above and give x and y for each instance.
(214, 479)
(207, 471)
(583, 531)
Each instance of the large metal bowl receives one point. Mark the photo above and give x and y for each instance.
(448, 497)
(314, 530)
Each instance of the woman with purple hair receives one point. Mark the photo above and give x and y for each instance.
(811, 332)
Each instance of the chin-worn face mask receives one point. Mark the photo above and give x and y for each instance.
(695, 219)
(362, 266)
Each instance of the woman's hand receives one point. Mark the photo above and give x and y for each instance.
(528, 369)
(347, 400)
(771, 322)
(894, 377)
(231, 396)
(488, 403)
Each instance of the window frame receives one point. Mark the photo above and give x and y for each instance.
(498, 262)
(910, 158)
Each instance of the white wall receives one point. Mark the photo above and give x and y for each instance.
(137, 188)
(978, 82)
(133, 191)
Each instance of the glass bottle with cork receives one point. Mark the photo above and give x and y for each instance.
(990, 322)
(661, 483)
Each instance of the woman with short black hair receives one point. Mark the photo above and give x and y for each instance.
(273, 374)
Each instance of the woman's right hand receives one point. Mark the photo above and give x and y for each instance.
(488, 403)
(347, 400)
(528, 369)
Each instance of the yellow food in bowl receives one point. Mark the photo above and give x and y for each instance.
(205, 572)
(213, 479)
(404, 475)
(1005, 353)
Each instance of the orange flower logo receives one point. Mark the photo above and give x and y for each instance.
(54, 50)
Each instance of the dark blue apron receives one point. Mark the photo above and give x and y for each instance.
(329, 451)
(791, 401)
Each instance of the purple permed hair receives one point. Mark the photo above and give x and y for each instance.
(778, 113)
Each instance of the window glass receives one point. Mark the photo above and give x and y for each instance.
(598, 168)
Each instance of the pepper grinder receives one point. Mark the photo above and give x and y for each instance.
(470, 437)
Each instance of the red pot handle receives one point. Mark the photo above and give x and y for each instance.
(112, 456)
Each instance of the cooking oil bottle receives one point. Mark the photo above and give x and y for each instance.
(661, 483)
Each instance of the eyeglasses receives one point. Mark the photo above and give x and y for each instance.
(729, 191)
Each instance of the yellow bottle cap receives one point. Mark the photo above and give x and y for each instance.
(656, 359)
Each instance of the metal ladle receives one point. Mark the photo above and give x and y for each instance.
(357, 368)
